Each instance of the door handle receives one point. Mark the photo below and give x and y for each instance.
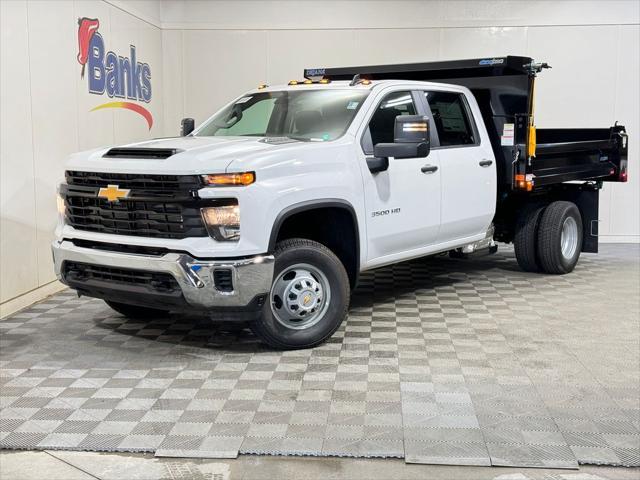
(429, 169)
(485, 163)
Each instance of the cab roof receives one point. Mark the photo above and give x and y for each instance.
(337, 85)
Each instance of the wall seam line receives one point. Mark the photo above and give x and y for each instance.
(33, 149)
(124, 10)
(205, 28)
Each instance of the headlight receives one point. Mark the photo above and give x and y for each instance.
(229, 179)
(61, 208)
(223, 222)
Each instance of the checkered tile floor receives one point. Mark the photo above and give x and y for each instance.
(468, 362)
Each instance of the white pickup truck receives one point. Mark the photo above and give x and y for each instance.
(271, 208)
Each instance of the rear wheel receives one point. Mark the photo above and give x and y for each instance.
(560, 237)
(135, 311)
(309, 296)
(526, 238)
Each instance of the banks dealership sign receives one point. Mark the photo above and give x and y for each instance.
(115, 75)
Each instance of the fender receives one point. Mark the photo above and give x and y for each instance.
(313, 205)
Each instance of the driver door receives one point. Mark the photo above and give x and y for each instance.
(402, 203)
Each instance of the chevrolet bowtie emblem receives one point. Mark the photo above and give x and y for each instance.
(112, 193)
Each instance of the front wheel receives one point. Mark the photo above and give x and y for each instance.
(309, 296)
(560, 237)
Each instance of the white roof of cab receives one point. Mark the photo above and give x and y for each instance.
(342, 84)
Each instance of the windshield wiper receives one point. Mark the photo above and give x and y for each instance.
(297, 137)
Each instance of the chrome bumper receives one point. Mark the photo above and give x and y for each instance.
(251, 276)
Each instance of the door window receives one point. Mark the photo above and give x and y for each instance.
(451, 118)
(382, 124)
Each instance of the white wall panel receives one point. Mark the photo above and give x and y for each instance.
(125, 31)
(147, 10)
(625, 198)
(458, 43)
(579, 90)
(375, 46)
(18, 262)
(219, 65)
(94, 128)
(289, 52)
(173, 81)
(149, 50)
(55, 119)
(350, 14)
(46, 116)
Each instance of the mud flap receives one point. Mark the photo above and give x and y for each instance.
(587, 199)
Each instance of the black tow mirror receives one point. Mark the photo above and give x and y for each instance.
(187, 125)
(411, 139)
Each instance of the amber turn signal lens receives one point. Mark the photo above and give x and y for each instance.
(523, 184)
(229, 179)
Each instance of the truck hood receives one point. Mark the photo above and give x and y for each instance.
(195, 155)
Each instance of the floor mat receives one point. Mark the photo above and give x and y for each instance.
(467, 362)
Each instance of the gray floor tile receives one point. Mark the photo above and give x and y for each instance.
(440, 361)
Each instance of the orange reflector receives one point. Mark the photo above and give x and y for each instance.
(324, 80)
(293, 82)
(308, 82)
(365, 82)
(229, 179)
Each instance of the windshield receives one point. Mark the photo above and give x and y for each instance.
(318, 115)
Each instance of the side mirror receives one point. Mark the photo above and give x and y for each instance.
(187, 125)
(412, 139)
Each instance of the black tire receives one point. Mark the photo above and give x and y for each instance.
(136, 311)
(525, 239)
(302, 251)
(550, 254)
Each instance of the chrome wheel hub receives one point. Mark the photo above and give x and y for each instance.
(569, 238)
(300, 296)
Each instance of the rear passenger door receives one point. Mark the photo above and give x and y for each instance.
(467, 164)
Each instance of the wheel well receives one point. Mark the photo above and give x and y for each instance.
(334, 227)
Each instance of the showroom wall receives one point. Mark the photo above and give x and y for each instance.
(46, 115)
(202, 53)
(214, 51)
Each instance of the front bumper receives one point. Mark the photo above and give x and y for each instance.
(251, 277)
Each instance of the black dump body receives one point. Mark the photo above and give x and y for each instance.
(503, 88)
